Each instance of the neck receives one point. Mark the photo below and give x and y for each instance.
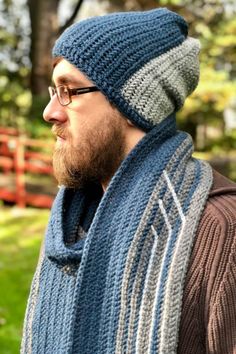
(133, 136)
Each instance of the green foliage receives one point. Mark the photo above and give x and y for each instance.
(217, 86)
(20, 239)
(169, 2)
(18, 108)
(227, 142)
(15, 98)
(37, 127)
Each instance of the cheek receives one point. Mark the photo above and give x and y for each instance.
(77, 127)
(90, 119)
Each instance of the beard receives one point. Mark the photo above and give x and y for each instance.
(95, 157)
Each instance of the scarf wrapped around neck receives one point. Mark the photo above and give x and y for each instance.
(118, 290)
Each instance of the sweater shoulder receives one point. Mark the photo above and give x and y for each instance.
(210, 285)
(219, 215)
(222, 185)
(216, 233)
(220, 209)
(214, 246)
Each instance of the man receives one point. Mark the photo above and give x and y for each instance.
(139, 254)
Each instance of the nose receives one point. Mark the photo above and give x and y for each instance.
(54, 112)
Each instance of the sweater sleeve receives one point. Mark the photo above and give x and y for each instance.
(221, 293)
(208, 320)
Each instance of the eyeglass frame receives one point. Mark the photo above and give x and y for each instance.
(71, 92)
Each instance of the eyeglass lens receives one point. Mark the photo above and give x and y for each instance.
(63, 94)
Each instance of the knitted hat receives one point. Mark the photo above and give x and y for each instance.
(143, 62)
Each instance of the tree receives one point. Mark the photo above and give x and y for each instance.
(27, 34)
(45, 28)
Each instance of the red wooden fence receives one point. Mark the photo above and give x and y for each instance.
(17, 157)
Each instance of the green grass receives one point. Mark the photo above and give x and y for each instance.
(21, 232)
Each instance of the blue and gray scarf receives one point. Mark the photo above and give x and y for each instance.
(118, 288)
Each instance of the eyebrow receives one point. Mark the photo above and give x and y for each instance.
(69, 80)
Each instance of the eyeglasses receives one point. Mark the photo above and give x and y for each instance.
(64, 93)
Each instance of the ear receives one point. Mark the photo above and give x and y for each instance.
(130, 123)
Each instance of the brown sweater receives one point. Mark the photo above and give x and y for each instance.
(208, 322)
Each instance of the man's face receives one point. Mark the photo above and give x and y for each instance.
(90, 132)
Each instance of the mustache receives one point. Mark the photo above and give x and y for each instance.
(60, 131)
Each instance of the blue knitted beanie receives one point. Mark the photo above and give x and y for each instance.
(143, 62)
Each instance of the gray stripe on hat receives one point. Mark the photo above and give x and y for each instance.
(162, 85)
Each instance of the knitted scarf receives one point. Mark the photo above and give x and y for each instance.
(119, 289)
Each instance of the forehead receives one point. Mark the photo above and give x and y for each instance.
(66, 73)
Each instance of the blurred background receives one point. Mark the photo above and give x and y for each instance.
(28, 29)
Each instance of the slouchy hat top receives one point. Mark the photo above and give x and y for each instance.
(143, 62)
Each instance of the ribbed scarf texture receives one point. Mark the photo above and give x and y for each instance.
(119, 289)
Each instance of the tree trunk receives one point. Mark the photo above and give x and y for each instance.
(45, 27)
